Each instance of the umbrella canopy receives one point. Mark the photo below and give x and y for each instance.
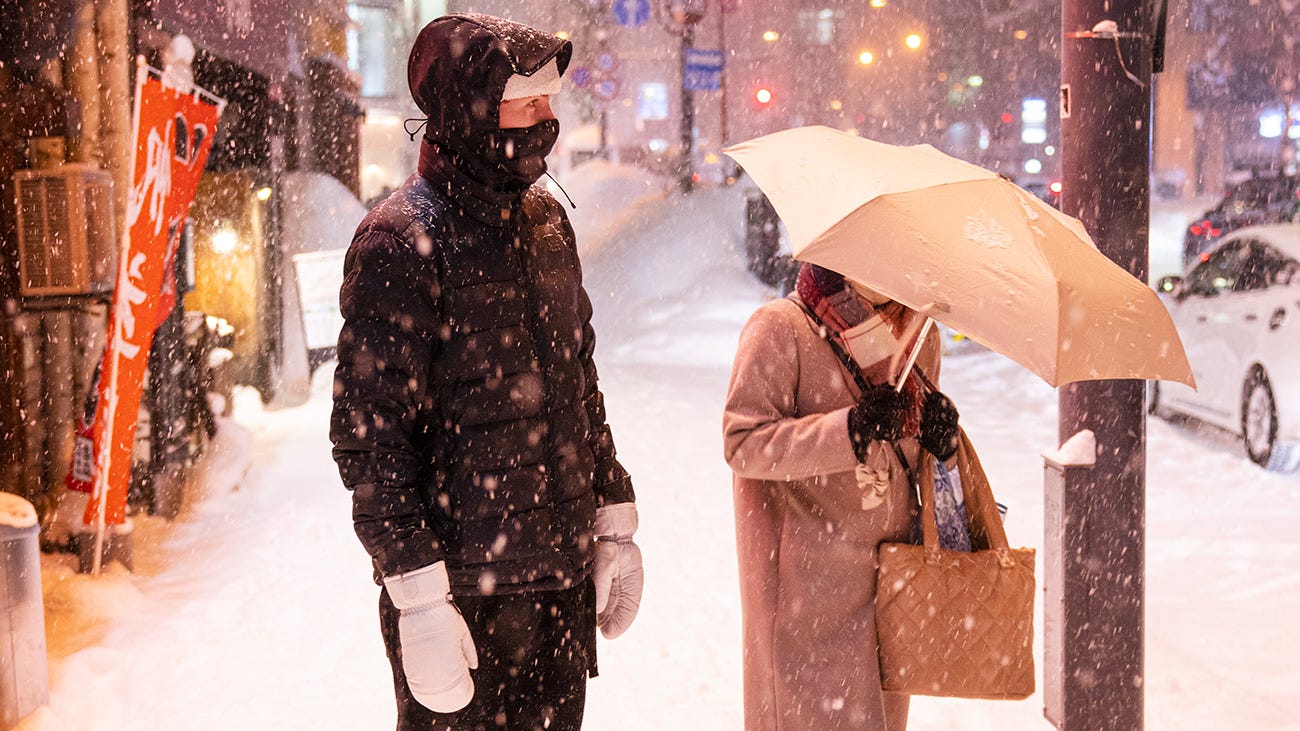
(969, 248)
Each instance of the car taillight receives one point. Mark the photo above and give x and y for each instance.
(1196, 229)
(1205, 256)
(1216, 231)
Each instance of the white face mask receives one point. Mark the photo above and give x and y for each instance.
(871, 341)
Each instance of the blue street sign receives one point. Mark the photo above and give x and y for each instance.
(605, 89)
(632, 13)
(703, 70)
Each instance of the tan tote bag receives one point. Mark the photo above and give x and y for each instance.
(952, 623)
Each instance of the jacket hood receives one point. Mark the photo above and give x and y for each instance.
(460, 63)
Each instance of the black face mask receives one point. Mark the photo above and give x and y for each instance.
(503, 160)
(520, 152)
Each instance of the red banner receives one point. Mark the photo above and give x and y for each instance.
(173, 134)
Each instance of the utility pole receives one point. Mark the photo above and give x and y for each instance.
(1096, 533)
(688, 115)
(682, 17)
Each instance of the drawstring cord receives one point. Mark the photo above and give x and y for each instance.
(424, 122)
(562, 190)
(406, 125)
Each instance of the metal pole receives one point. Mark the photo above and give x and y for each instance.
(1105, 138)
(722, 99)
(688, 115)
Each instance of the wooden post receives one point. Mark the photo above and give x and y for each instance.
(82, 79)
(111, 24)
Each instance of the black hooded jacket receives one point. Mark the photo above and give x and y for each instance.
(466, 418)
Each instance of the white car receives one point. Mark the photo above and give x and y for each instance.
(1238, 314)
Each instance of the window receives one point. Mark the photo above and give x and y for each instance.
(1218, 273)
(817, 27)
(1265, 267)
(423, 11)
(652, 101)
(374, 41)
(1033, 121)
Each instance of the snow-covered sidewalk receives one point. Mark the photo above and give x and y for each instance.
(256, 609)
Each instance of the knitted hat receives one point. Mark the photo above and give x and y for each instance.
(544, 82)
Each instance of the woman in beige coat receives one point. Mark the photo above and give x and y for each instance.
(818, 486)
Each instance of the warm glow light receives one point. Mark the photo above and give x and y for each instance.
(866, 57)
(879, 3)
(763, 96)
(564, 34)
(837, 105)
(1021, 35)
(264, 194)
(770, 35)
(225, 240)
(913, 41)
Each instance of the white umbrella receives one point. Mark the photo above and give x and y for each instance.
(970, 249)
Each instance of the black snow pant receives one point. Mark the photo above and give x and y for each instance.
(535, 651)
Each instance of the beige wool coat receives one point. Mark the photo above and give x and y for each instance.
(807, 548)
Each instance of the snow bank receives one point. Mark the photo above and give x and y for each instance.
(320, 216)
(608, 197)
(15, 512)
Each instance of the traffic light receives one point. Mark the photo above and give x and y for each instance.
(763, 96)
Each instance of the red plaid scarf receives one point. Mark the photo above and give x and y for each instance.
(833, 301)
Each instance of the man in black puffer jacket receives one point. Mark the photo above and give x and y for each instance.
(466, 419)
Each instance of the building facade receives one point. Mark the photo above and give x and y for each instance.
(65, 82)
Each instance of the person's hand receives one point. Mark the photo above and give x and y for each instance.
(437, 650)
(879, 414)
(617, 573)
(939, 430)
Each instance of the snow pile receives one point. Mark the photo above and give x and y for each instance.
(320, 213)
(1079, 450)
(320, 216)
(16, 512)
(607, 198)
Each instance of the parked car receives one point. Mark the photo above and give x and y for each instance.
(1238, 314)
(1260, 199)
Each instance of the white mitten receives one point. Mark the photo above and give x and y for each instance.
(617, 574)
(437, 650)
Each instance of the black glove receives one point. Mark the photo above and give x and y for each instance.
(879, 414)
(939, 432)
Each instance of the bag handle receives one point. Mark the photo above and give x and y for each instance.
(982, 516)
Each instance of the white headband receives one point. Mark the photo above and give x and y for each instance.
(544, 82)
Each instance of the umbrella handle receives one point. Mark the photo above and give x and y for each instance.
(916, 351)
